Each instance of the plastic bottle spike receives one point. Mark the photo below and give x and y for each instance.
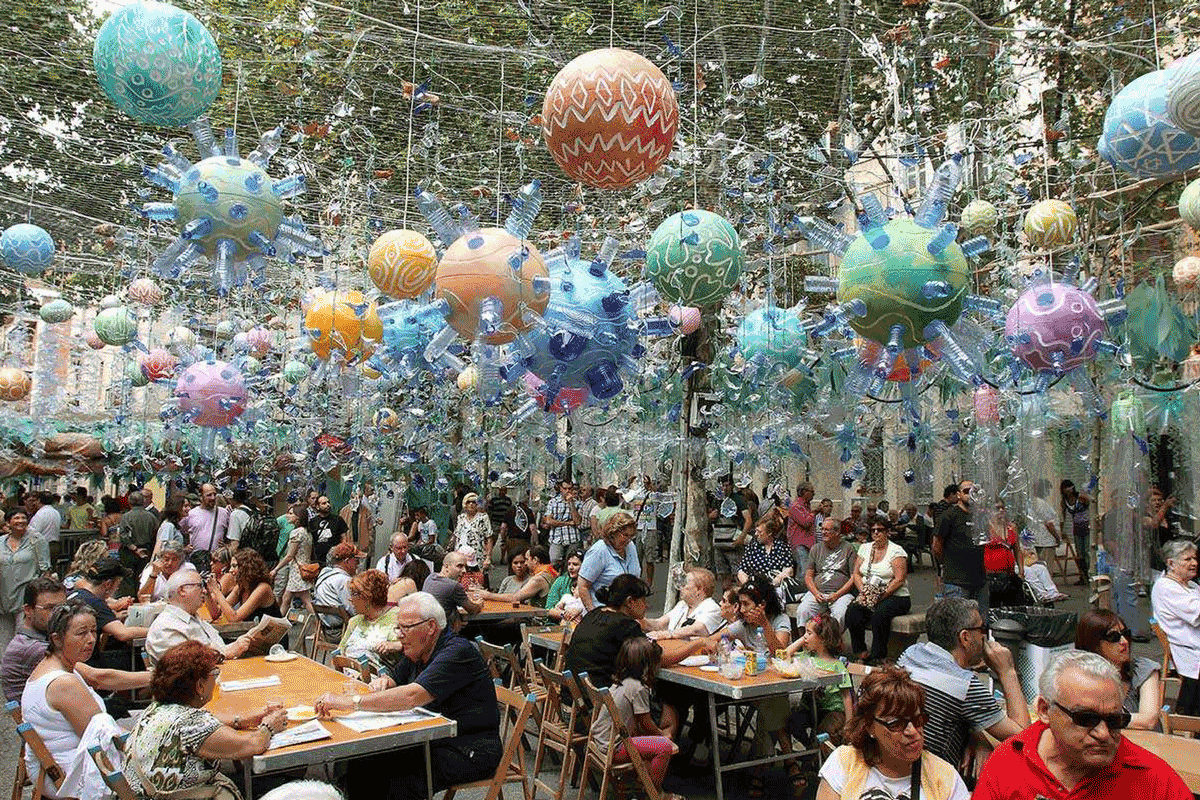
(1090, 285)
(936, 290)
(438, 344)
(820, 284)
(608, 251)
(1071, 270)
(175, 159)
(873, 209)
(657, 327)
(976, 246)
(433, 314)
(268, 146)
(171, 262)
(491, 314)
(952, 352)
(207, 191)
(197, 228)
(292, 235)
(872, 221)
(202, 132)
(163, 178)
(467, 220)
(642, 297)
(160, 212)
(256, 270)
(941, 189)
(823, 236)
(438, 217)
(895, 341)
(855, 308)
(223, 264)
(1108, 347)
(571, 249)
(1114, 310)
(984, 305)
(256, 239)
(291, 186)
(942, 239)
(604, 381)
(525, 210)
(231, 149)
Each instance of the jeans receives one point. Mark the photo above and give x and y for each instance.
(811, 607)
(880, 619)
(1082, 553)
(800, 553)
(980, 594)
(1125, 601)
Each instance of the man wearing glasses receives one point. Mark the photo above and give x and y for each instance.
(955, 699)
(444, 673)
(957, 548)
(1075, 749)
(178, 623)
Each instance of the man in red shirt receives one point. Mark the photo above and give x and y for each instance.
(1075, 750)
(800, 533)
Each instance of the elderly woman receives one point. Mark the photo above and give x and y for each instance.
(1175, 599)
(252, 597)
(371, 632)
(881, 577)
(56, 700)
(769, 554)
(615, 554)
(23, 556)
(176, 743)
(154, 579)
(1103, 632)
(474, 528)
(884, 740)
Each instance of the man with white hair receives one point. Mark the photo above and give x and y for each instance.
(1075, 749)
(303, 790)
(398, 557)
(440, 671)
(178, 623)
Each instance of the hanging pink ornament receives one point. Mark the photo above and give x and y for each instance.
(987, 407)
(1186, 272)
(144, 291)
(686, 318)
(211, 394)
(93, 340)
(157, 364)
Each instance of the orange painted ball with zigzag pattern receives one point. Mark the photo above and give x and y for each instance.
(610, 118)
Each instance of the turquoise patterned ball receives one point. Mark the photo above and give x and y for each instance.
(771, 339)
(694, 258)
(157, 63)
(27, 249)
(1140, 139)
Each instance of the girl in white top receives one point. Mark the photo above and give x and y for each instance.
(56, 700)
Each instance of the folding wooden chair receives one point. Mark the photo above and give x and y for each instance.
(322, 646)
(20, 777)
(114, 779)
(306, 634)
(342, 663)
(527, 655)
(32, 741)
(505, 659)
(603, 756)
(557, 729)
(515, 711)
(1166, 671)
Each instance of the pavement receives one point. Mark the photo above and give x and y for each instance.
(697, 784)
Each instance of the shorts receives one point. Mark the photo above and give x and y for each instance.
(650, 544)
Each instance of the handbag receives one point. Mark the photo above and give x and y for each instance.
(309, 572)
(870, 595)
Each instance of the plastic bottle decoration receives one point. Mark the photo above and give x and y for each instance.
(686, 318)
(406, 334)
(1189, 204)
(1183, 93)
(1186, 273)
(1050, 224)
(402, 264)
(158, 364)
(228, 209)
(609, 118)
(295, 371)
(386, 420)
(144, 291)
(14, 384)
(212, 394)
(694, 258)
(56, 311)
(978, 217)
(27, 249)
(771, 341)
(115, 326)
(157, 63)
(986, 403)
(1125, 493)
(1139, 138)
(345, 324)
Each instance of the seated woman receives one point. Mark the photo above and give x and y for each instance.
(768, 553)
(153, 585)
(221, 559)
(176, 743)
(371, 632)
(252, 596)
(881, 576)
(534, 587)
(1175, 599)
(412, 579)
(1039, 580)
(559, 605)
(1103, 632)
(56, 700)
(884, 739)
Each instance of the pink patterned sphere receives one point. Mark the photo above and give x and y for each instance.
(686, 318)
(256, 341)
(987, 407)
(609, 118)
(1186, 272)
(1054, 327)
(93, 340)
(157, 364)
(144, 291)
(211, 394)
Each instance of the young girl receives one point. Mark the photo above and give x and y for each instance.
(633, 675)
(822, 639)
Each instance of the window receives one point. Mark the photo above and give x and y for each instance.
(872, 455)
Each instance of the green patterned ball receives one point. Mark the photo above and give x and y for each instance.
(694, 258)
(903, 284)
(115, 326)
(236, 196)
(134, 374)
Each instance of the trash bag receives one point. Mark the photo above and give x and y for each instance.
(1045, 627)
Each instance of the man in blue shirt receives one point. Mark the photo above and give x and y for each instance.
(615, 554)
(444, 673)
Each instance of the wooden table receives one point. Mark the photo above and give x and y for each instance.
(500, 611)
(1182, 754)
(304, 681)
(733, 692)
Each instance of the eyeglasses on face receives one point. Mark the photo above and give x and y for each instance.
(900, 724)
(404, 629)
(1114, 637)
(1090, 719)
(981, 627)
(878, 529)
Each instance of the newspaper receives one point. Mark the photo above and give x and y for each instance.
(363, 721)
(268, 631)
(308, 732)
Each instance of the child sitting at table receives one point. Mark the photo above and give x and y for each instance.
(821, 638)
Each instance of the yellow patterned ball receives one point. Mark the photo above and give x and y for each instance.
(402, 264)
(1050, 223)
(14, 384)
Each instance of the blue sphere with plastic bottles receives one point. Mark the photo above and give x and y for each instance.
(771, 339)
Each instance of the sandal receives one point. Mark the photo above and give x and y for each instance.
(757, 787)
(798, 778)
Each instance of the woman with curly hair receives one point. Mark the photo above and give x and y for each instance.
(86, 554)
(371, 632)
(884, 751)
(176, 743)
(252, 596)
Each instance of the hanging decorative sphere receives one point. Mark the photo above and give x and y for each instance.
(1050, 224)
(1189, 204)
(295, 371)
(250, 365)
(770, 339)
(1140, 139)
(93, 341)
(343, 324)
(1186, 272)
(402, 264)
(686, 318)
(144, 291)
(259, 341)
(978, 217)
(26, 248)
(987, 407)
(893, 282)
(158, 364)
(180, 339)
(1183, 93)
(115, 326)
(57, 310)
(136, 375)
(491, 263)
(110, 301)
(609, 118)
(237, 198)
(225, 330)
(565, 399)
(14, 384)
(157, 63)
(386, 420)
(694, 258)
(869, 352)
(1055, 327)
(211, 394)
(468, 379)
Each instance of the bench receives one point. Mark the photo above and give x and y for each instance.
(905, 631)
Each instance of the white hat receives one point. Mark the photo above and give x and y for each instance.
(469, 552)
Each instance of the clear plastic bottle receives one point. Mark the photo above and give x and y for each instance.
(762, 654)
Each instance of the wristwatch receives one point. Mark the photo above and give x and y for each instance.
(357, 700)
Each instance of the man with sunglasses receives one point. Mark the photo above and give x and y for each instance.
(957, 548)
(1075, 748)
(955, 699)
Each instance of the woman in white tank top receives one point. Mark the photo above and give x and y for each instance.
(56, 700)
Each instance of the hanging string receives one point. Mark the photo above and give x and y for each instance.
(500, 144)
(411, 106)
(696, 105)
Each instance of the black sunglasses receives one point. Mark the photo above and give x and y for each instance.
(1114, 637)
(981, 627)
(901, 724)
(1090, 719)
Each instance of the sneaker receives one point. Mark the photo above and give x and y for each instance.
(701, 757)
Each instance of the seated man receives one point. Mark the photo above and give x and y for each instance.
(530, 582)
(446, 589)
(178, 621)
(397, 557)
(444, 673)
(829, 575)
(94, 588)
(696, 613)
(333, 586)
(1075, 749)
(955, 699)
